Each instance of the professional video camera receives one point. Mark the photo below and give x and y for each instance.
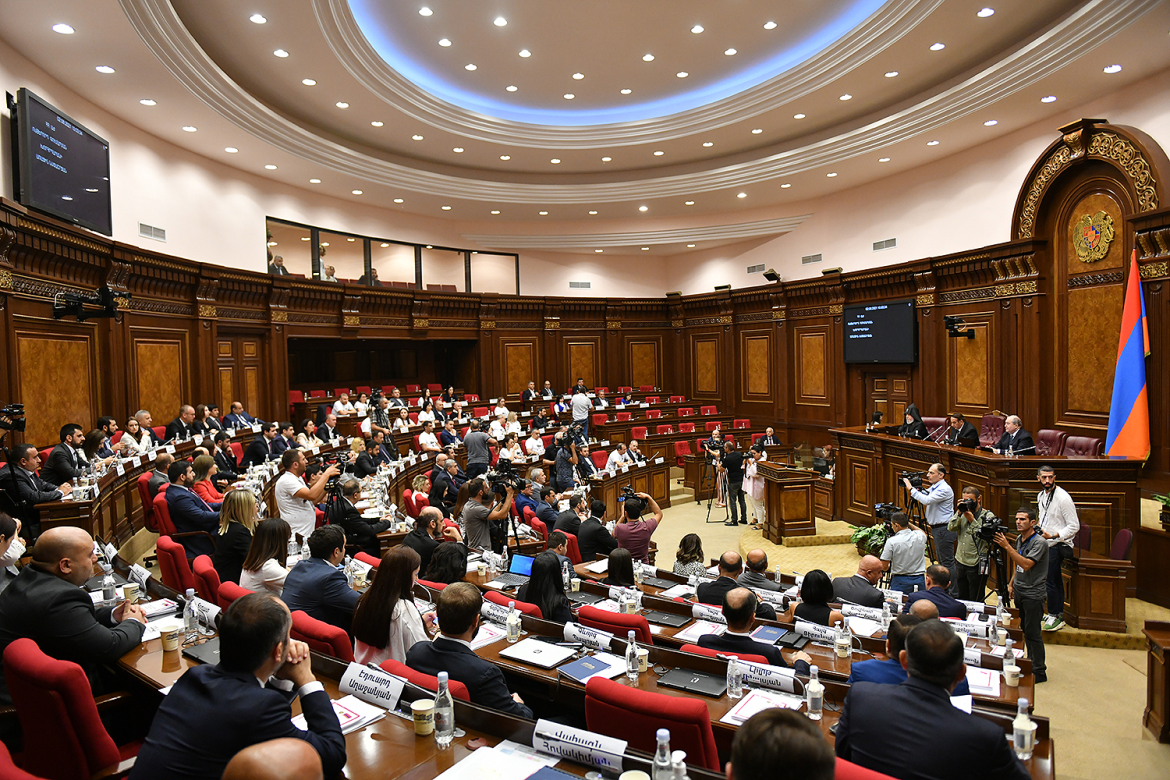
(884, 512)
(576, 433)
(503, 477)
(627, 491)
(990, 527)
(15, 414)
(915, 478)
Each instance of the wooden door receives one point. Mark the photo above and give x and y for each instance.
(888, 393)
(239, 365)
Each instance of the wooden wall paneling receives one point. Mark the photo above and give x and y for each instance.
(59, 377)
(812, 370)
(972, 367)
(643, 363)
(227, 388)
(519, 366)
(582, 359)
(161, 372)
(1089, 354)
(705, 366)
(755, 361)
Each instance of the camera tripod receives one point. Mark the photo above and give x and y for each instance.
(997, 565)
(916, 515)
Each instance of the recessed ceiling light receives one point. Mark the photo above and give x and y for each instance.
(708, 144)
(682, 74)
(104, 69)
(446, 208)
(555, 161)
(304, 238)
(542, 213)
(351, 239)
(458, 150)
(690, 246)
(627, 91)
(593, 212)
(606, 159)
(985, 12)
(757, 131)
(257, 19)
(444, 41)
(384, 244)
(647, 58)
(376, 123)
(416, 137)
(309, 82)
(578, 76)
(730, 52)
(1048, 99)
(505, 157)
(932, 143)
(883, 159)
(569, 96)
(769, 25)
(659, 153)
(846, 96)
(689, 203)
(356, 192)
(424, 11)
(785, 186)
(62, 28)
(270, 167)
(314, 181)
(643, 208)
(511, 87)
(66, 197)
(991, 123)
(270, 243)
(342, 104)
(525, 53)
(798, 116)
(598, 251)
(891, 73)
(698, 28)
(469, 66)
(280, 53)
(396, 200)
(231, 149)
(831, 175)
(741, 195)
(645, 249)
(1112, 69)
(495, 211)
(937, 46)
(500, 22)
(189, 128)
(148, 102)
(324, 243)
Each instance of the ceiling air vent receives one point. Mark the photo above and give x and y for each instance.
(889, 243)
(149, 231)
(579, 285)
(756, 269)
(807, 259)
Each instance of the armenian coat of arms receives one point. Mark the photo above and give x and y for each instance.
(1092, 236)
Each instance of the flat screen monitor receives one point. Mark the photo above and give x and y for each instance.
(885, 332)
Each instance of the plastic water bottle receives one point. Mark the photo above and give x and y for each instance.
(348, 571)
(1007, 651)
(734, 679)
(814, 695)
(1023, 731)
(305, 553)
(513, 623)
(662, 769)
(190, 619)
(632, 674)
(109, 587)
(1000, 615)
(444, 714)
(842, 640)
(565, 577)
(504, 559)
(886, 617)
(293, 550)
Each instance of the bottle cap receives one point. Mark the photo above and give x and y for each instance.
(442, 677)
(663, 735)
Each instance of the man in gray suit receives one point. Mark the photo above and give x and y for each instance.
(755, 575)
(859, 589)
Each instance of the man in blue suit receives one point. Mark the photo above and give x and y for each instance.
(238, 418)
(317, 586)
(189, 512)
(214, 712)
(739, 609)
(458, 611)
(284, 439)
(891, 671)
(952, 744)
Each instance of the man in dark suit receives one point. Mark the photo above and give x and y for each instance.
(449, 436)
(276, 267)
(961, 432)
(593, 537)
(1015, 438)
(458, 610)
(214, 712)
(182, 427)
(189, 512)
(730, 566)
(859, 589)
(66, 461)
(569, 521)
(755, 574)
(327, 431)
(358, 530)
(146, 423)
(108, 426)
(317, 586)
(769, 437)
(238, 418)
(160, 476)
(387, 449)
(547, 391)
(529, 392)
(225, 456)
(260, 449)
(890, 671)
(876, 719)
(367, 462)
(285, 439)
(212, 425)
(47, 603)
(739, 608)
(938, 579)
(21, 489)
(443, 491)
(429, 532)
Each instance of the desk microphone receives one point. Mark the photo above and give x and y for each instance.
(1025, 449)
(930, 436)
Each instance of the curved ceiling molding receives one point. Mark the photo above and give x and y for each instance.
(1091, 24)
(344, 36)
(723, 233)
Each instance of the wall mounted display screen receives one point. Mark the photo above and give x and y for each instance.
(881, 333)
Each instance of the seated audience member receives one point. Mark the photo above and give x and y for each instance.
(109, 426)
(237, 523)
(342, 405)
(401, 421)
(514, 425)
(238, 418)
(204, 484)
(448, 563)
(527, 497)
(366, 464)
(146, 423)
(212, 423)
(386, 622)
(12, 548)
(501, 408)
(443, 491)
(479, 514)
(816, 591)
(387, 449)
(498, 427)
(261, 448)
(890, 671)
(545, 588)
(585, 467)
(618, 457)
(739, 608)
(317, 586)
(558, 543)
(859, 589)
(569, 521)
(277, 759)
(23, 488)
(631, 531)
(458, 612)
(182, 427)
(225, 457)
(779, 744)
(913, 427)
(47, 603)
(189, 512)
(635, 452)
(216, 710)
(1015, 438)
(327, 432)
(688, 561)
(427, 441)
(730, 566)
(66, 461)
(294, 499)
(277, 268)
(876, 718)
(529, 392)
(91, 445)
(547, 391)
(439, 467)
(266, 566)
(594, 538)
(285, 439)
(621, 569)
(755, 572)
(361, 407)
(201, 424)
(307, 438)
(534, 444)
(429, 531)
(135, 440)
(539, 420)
(449, 437)
(938, 579)
(510, 449)
(360, 531)
(160, 476)
(601, 401)
(769, 437)
(427, 413)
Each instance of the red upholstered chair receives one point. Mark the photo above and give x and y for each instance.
(847, 770)
(338, 391)
(317, 394)
(407, 501)
(638, 432)
(162, 519)
(413, 417)
(1050, 441)
(624, 390)
(664, 429)
(645, 388)
(206, 578)
(9, 770)
(653, 399)
(435, 387)
(117, 437)
(708, 410)
(147, 504)
(1084, 539)
(741, 423)
(321, 636)
(427, 681)
(653, 414)
(686, 427)
(295, 396)
(479, 411)
(699, 446)
(677, 399)
(45, 455)
(160, 431)
(363, 389)
(729, 437)
(616, 623)
(552, 408)
(172, 561)
(681, 450)
(599, 458)
(1082, 445)
(686, 411)
(547, 439)
(413, 389)
(624, 416)
(495, 597)
(573, 552)
(535, 523)
(237, 450)
(463, 435)
(1122, 543)
(368, 559)
(618, 710)
(229, 592)
(756, 436)
(710, 426)
(711, 652)
(470, 398)
(600, 389)
(432, 585)
(600, 419)
(990, 429)
(63, 734)
(421, 502)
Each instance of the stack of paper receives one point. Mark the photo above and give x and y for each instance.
(487, 634)
(609, 605)
(352, 713)
(757, 701)
(675, 592)
(983, 682)
(1000, 650)
(599, 567)
(864, 627)
(699, 628)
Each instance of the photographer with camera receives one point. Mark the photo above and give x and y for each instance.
(565, 468)
(479, 457)
(632, 532)
(972, 549)
(1029, 584)
(938, 504)
(731, 464)
(479, 513)
(904, 556)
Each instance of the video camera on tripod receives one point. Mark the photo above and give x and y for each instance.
(502, 477)
(15, 417)
(915, 478)
(575, 433)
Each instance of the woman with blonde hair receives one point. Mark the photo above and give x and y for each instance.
(237, 523)
(514, 424)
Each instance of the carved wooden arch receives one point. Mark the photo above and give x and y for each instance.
(1140, 160)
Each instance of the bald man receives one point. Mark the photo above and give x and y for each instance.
(859, 589)
(276, 759)
(46, 602)
(924, 609)
(730, 567)
(756, 574)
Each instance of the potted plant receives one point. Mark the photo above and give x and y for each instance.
(869, 539)
(1164, 516)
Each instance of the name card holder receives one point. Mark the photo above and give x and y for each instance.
(373, 686)
(584, 747)
(815, 632)
(707, 612)
(591, 638)
(496, 613)
(775, 677)
(856, 610)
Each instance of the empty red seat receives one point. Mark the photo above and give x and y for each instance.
(413, 389)
(479, 411)
(435, 387)
(413, 417)
(1082, 445)
(729, 437)
(172, 562)
(600, 419)
(686, 411)
(708, 410)
(624, 416)
(686, 427)
(638, 432)
(653, 399)
(295, 396)
(645, 388)
(711, 425)
(471, 398)
(363, 389)
(1050, 441)
(681, 450)
(495, 597)
(624, 390)
(664, 429)
(990, 429)
(572, 551)
(617, 623)
(206, 578)
(321, 636)
(339, 390)
(711, 652)
(599, 458)
(229, 592)
(317, 394)
(653, 414)
(741, 423)
(677, 399)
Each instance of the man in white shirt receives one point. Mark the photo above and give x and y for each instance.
(396, 398)
(427, 442)
(1059, 526)
(581, 407)
(294, 499)
(618, 457)
(534, 444)
(904, 556)
(938, 504)
(601, 402)
(342, 405)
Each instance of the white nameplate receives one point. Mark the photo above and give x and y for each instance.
(170, 448)
(971, 627)
(625, 468)
(815, 632)
(121, 470)
(589, 637)
(776, 677)
(896, 596)
(658, 461)
(372, 685)
(584, 747)
(111, 552)
(496, 613)
(707, 612)
(774, 596)
(198, 439)
(869, 613)
(255, 429)
(974, 606)
(972, 656)
(206, 612)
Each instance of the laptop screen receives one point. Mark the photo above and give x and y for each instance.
(521, 564)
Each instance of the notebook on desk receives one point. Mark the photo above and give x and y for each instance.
(578, 597)
(694, 682)
(659, 582)
(205, 653)
(667, 618)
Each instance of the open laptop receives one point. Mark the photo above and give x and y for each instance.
(533, 651)
(659, 582)
(694, 682)
(519, 571)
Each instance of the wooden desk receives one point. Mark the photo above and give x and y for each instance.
(1095, 588)
(789, 501)
(650, 478)
(1156, 717)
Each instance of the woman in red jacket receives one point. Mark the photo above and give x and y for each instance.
(204, 487)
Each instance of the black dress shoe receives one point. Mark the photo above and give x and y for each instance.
(731, 523)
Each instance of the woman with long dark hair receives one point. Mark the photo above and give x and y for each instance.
(816, 591)
(621, 568)
(689, 558)
(386, 622)
(264, 568)
(448, 563)
(545, 589)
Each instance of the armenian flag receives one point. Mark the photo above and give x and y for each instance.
(1129, 411)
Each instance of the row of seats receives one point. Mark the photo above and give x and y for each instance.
(1049, 441)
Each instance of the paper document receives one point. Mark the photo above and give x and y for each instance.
(961, 703)
(677, 591)
(699, 628)
(758, 701)
(983, 682)
(864, 627)
(352, 713)
(490, 764)
(487, 635)
(599, 567)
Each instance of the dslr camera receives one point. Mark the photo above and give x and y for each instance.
(503, 477)
(967, 505)
(915, 478)
(884, 512)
